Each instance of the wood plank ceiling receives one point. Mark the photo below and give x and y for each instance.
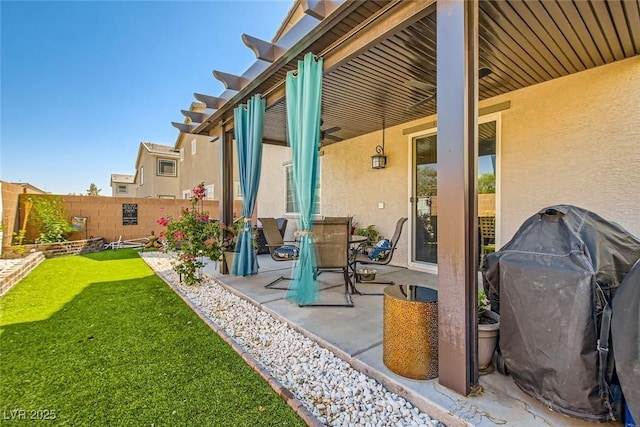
(522, 42)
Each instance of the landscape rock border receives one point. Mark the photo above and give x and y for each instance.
(322, 388)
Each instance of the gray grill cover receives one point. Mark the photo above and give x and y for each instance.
(544, 285)
(625, 333)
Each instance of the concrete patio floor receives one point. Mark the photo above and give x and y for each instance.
(355, 335)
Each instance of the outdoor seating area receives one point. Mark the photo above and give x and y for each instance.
(337, 250)
(499, 400)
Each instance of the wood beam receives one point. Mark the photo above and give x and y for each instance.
(230, 81)
(457, 103)
(212, 102)
(319, 9)
(195, 116)
(183, 127)
(263, 50)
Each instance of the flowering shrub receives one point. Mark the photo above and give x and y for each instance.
(194, 234)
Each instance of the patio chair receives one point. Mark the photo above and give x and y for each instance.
(277, 248)
(262, 242)
(332, 251)
(378, 255)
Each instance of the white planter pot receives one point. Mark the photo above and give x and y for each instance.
(487, 340)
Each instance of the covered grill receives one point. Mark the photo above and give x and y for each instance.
(552, 285)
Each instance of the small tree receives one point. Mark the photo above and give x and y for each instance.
(93, 190)
(49, 215)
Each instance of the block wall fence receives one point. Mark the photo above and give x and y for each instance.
(104, 214)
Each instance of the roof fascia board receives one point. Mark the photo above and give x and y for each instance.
(138, 157)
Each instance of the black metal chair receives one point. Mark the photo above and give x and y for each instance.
(362, 257)
(262, 241)
(275, 242)
(332, 252)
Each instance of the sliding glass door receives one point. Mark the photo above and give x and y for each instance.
(424, 200)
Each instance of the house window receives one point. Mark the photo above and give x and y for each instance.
(166, 197)
(193, 146)
(121, 189)
(237, 190)
(209, 192)
(290, 208)
(141, 175)
(166, 167)
(182, 154)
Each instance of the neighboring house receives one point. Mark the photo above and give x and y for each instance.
(157, 171)
(199, 159)
(29, 188)
(122, 185)
(557, 123)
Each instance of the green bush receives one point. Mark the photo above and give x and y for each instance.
(49, 216)
(369, 232)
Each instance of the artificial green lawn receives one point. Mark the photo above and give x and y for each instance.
(100, 340)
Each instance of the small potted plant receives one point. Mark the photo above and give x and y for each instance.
(488, 328)
(230, 240)
(369, 232)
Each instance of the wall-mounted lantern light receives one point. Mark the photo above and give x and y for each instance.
(379, 161)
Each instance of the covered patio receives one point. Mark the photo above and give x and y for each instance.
(355, 335)
(383, 61)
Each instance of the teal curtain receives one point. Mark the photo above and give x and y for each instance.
(304, 95)
(248, 127)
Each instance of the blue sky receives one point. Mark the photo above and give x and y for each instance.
(82, 83)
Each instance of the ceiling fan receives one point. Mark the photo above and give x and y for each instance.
(325, 134)
(427, 87)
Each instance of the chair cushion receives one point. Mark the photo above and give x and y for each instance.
(380, 251)
(286, 252)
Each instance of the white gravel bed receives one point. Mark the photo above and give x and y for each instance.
(329, 387)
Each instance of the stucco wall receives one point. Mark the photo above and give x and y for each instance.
(271, 194)
(200, 167)
(572, 140)
(350, 187)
